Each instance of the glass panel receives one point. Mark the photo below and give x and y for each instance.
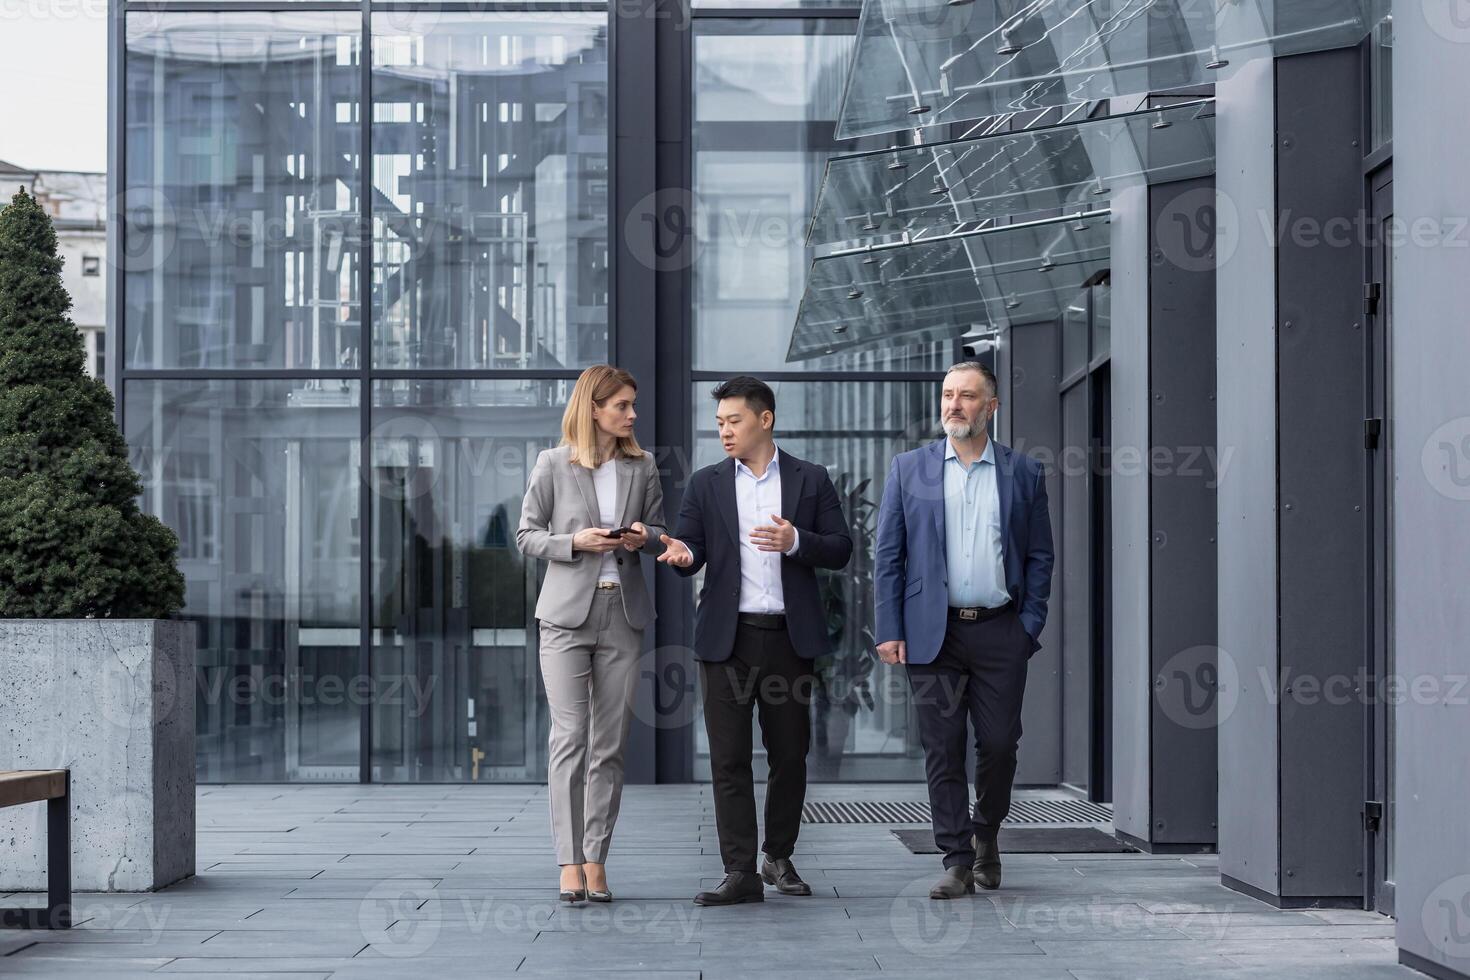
(259, 480)
(240, 211)
(1381, 73)
(923, 63)
(862, 725)
(937, 188)
(490, 193)
(947, 287)
(1074, 335)
(764, 103)
(452, 597)
(1102, 321)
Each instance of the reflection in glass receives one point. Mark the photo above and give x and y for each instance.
(939, 187)
(862, 726)
(490, 192)
(240, 211)
(950, 286)
(452, 597)
(922, 63)
(259, 480)
(765, 99)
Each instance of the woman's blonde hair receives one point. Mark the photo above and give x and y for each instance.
(578, 429)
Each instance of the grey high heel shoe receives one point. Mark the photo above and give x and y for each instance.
(574, 895)
(593, 895)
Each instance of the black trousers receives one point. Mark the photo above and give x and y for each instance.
(978, 678)
(763, 673)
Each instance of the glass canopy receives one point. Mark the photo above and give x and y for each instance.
(926, 63)
(940, 188)
(946, 287)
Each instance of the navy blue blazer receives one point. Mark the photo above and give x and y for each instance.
(708, 524)
(910, 573)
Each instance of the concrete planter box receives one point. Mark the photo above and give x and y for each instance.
(113, 701)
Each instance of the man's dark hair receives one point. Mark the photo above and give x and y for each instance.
(757, 394)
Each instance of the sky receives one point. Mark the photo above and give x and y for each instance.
(53, 84)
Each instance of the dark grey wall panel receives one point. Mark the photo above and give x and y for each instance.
(1074, 605)
(1182, 582)
(1321, 407)
(1429, 421)
(1035, 422)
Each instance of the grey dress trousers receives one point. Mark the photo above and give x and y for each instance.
(591, 639)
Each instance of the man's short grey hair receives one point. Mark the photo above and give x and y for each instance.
(985, 373)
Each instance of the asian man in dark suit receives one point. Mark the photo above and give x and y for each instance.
(962, 575)
(760, 523)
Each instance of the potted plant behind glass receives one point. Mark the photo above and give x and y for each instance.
(95, 676)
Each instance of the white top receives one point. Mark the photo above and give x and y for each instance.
(605, 479)
(756, 499)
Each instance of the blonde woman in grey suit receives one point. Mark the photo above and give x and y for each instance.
(592, 506)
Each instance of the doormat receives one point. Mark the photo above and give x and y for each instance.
(1030, 840)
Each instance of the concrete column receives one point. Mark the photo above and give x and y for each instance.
(1429, 439)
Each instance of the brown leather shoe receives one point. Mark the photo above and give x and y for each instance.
(954, 883)
(987, 864)
(782, 873)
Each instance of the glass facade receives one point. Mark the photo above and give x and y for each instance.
(242, 137)
(365, 255)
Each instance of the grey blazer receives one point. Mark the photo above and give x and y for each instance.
(560, 501)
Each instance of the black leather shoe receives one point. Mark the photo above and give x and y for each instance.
(954, 883)
(737, 888)
(782, 873)
(987, 864)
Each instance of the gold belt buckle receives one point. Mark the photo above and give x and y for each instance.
(969, 614)
(607, 585)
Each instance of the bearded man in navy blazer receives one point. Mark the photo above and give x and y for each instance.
(760, 522)
(962, 574)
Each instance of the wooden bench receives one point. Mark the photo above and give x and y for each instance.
(54, 787)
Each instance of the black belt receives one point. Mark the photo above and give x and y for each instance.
(977, 614)
(764, 621)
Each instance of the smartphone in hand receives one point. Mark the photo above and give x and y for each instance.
(619, 532)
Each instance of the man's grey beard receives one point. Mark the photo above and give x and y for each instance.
(962, 430)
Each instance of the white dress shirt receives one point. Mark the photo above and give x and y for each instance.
(605, 479)
(756, 499)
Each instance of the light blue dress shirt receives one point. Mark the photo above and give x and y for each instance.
(972, 546)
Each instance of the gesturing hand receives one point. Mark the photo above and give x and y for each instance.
(676, 552)
(893, 652)
(595, 540)
(779, 538)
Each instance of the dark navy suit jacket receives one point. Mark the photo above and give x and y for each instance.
(910, 575)
(709, 525)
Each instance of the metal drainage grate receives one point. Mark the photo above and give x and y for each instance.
(889, 811)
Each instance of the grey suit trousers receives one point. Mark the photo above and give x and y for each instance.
(589, 671)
